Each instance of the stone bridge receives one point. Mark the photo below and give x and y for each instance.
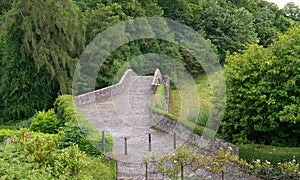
(123, 110)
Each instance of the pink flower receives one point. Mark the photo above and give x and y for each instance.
(5, 138)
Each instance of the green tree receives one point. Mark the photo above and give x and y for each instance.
(176, 10)
(23, 90)
(269, 20)
(292, 11)
(152, 8)
(39, 50)
(5, 5)
(87, 4)
(263, 93)
(100, 18)
(131, 8)
(53, 36)
(227, 27)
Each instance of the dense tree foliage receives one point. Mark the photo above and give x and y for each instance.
(39, 47)
(5, 5)
(292, 11)
(269, 20)
(228, 27)
(264, 93)
(23, 88)
(53, 36)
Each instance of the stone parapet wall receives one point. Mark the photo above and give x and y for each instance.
(202, 146)
(105, 92)
(157, 79)
(166, 80)
(172, 126)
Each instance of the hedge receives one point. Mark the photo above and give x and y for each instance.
(78, 130)
(252, 152)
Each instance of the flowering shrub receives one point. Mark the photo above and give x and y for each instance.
(290, 169)
(175, 165)
(216, 163)
(33, 156)
(267, 170)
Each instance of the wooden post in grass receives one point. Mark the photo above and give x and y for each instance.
(117, 169)
(125, 145)
(146, 175)
(102, 142)
(174, 141)
(149, 142)
(222, 175)
(181, 172)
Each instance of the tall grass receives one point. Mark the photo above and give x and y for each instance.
(204, 94)
(159, 99)
(200, 118)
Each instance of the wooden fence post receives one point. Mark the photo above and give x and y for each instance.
(174, 141)
(126, 146)
(146, 175)
(149, 142)
(117, 170)
(102, 142)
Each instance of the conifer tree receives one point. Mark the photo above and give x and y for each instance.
(23, 90)
(53, 36)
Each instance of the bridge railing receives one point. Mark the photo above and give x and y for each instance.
(105, 92)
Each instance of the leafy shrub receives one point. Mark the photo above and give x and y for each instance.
(263, 86)
(65, 109)
(24, 123)
(267, 170)
(96, 169)
(92, 146)
(18, 125)
(78, 130)
(30, 155)
(7, 127)
(17, 133)
(14, 166)
(5, 133)
(45, 122)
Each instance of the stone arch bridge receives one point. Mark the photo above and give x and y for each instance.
(123, 110)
